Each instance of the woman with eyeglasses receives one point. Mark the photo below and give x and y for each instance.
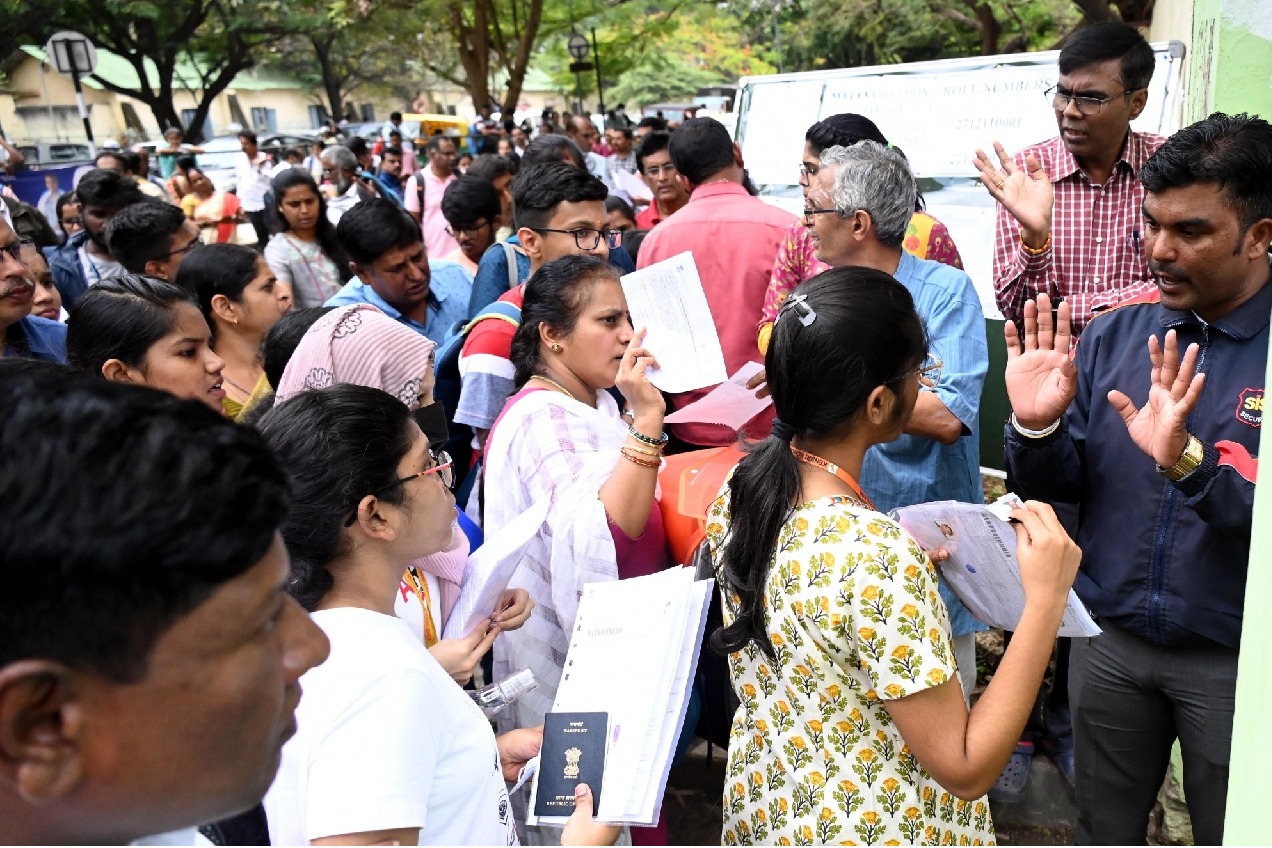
(304, 250)
(388, 749)
(561, 450)
(242, 300)
(852, 724)
(362, 346)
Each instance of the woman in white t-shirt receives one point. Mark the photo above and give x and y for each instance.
(389, 748)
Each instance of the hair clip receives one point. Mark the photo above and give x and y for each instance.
(798, 303)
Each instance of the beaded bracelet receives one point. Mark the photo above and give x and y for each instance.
(657, 454)
(632, 457)
(641, 437)
(1035, 251)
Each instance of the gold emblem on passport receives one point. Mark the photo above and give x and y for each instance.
(572, 756)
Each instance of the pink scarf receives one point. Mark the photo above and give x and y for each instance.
(360, 345)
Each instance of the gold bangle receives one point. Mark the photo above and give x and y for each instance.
(645, 451)
(1035, 251)
(644, 463)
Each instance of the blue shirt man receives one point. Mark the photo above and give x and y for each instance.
(34, 337)
(915, 469)
(448, 290)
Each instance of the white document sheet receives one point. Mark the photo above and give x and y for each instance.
(633, 185)
(982, 568)
(731, 403)
(667, 299)
(488, 573)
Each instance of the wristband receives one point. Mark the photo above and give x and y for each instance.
(1034, 434)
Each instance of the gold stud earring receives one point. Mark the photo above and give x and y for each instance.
(556, 348)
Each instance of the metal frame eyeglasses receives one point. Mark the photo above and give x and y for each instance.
(810, 211)
(441, 465)
(1086, 105)
(587, 238)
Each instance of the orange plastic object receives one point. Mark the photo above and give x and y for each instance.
(690, 483)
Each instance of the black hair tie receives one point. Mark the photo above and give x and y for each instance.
(782, 430)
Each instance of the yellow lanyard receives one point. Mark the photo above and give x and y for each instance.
(419, 586)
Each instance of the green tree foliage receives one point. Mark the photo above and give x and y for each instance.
(661, 53)
(167, 40)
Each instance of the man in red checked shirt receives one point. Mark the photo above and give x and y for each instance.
(1069, 223)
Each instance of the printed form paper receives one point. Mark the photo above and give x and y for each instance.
(731, 403)
(632, 654)
(667, 299)
(982, 568)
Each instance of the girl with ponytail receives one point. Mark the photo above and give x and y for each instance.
(851, 723)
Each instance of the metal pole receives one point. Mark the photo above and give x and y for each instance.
(596, 62)
(578, 91)
(79, 100)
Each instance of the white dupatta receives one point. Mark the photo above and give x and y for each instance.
(548, 456)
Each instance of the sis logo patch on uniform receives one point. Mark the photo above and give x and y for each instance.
(1250, 407)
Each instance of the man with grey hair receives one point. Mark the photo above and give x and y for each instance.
(340, 167)
(859, 204)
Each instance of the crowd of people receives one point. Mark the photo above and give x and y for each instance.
(418, 359)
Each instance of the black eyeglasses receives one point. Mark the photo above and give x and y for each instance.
(474, 230)
(439, 464)
(586, 238)
(1086, 105)
(806, 171)
(196, 242)
(810, 211)
(15, 250)
(72, 222)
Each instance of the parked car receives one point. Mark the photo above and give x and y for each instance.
(276, 143)
(218, 160)
(55, 154)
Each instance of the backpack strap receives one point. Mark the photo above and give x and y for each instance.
(514, 276)
(500, 309)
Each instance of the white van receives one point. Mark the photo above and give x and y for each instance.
(939, 113)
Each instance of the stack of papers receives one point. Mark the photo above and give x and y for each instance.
(982, 568)
(633, 655)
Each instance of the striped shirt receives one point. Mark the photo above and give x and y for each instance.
(1096, 257)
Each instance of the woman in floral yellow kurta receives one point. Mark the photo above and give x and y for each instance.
(852, 726)
(853, 612)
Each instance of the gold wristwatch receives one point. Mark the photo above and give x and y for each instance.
(1189, 460)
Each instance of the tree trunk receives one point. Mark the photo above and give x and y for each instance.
(521, 62)
(330, 82)
(474, 49)
(1095, 11)
(987, 25)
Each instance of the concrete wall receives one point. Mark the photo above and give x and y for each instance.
(1230, 63)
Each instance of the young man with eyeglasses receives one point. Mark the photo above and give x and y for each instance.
(473, 210)
(152, 238)
(1069, 208)
(393, 273)
(560, 211)
(653, 162)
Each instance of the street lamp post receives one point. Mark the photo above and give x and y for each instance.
(579, 48)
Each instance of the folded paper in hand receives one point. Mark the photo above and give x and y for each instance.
(731, 403)
(982, 568)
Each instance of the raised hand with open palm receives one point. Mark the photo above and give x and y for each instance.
(1160, 426)
(1026, 193)
(1041, 380)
